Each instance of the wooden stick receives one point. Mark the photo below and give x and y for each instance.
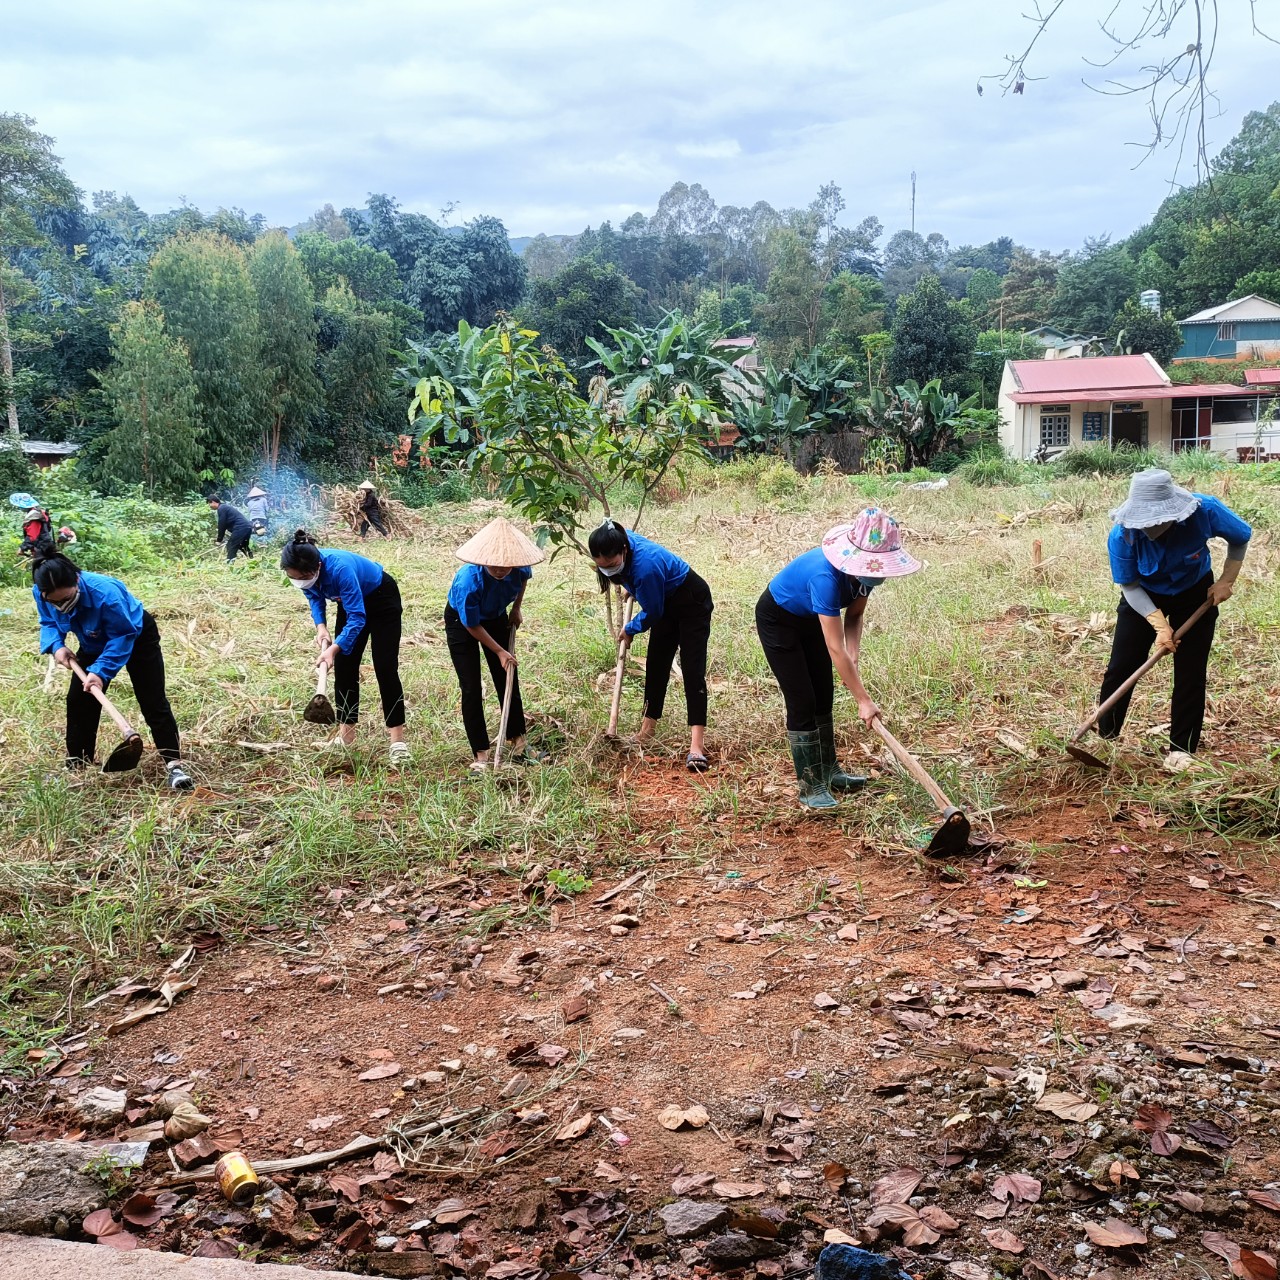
(506, 704)
(620, 671)
(322, 680)
(913, 767)
(1098, 711)
(48, 675)
(121, 723)
(358, 1146)
(609, 894)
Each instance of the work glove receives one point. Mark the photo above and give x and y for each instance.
(1164, 630)
(1221, 591)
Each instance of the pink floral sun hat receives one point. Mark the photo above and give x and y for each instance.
(870, 547)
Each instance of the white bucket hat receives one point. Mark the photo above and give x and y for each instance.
(1154, 499)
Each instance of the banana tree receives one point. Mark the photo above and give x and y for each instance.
(923, 421)
(449, 368)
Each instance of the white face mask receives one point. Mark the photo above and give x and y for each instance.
(303, 583)
(612, 573)
(66, 606)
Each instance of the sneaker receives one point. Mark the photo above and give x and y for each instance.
(400, 755)
(1178, 762)
(179, 779)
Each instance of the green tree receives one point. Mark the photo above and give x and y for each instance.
(202, 284)
(933, 336)
(152, 396)
(1026, 296)
(1138, 330)
(287, 325)
(983, 294)
(1092, 285)
(583, 300)
(923, 421)
(369, 273)
(852, 307)
(993, 348)
(1266, 284)
(31, 182)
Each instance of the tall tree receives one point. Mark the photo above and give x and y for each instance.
(983, 294)
(152, 395)
(1138, 330)
(31, 181)
(933, 336)
(1093, 285)
(287, 326)
(584, 300)
(202, 284)
(1026, 297)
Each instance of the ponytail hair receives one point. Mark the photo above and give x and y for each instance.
(53, 572)
(300, 553)
(608, 539)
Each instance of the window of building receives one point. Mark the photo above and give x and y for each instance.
(1226, 332)
(1055, 426)
(1235, 409)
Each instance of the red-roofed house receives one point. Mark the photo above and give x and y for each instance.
(1060, 403)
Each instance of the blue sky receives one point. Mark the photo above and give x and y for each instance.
(556, 115)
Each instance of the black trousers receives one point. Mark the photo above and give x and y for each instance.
(146, 674)
(373, 517)
(465, 650)
(1131, 646)
(685, 625)
(383, 617)
(797, 655)
(237, 543)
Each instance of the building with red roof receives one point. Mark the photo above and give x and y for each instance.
(1054, 404)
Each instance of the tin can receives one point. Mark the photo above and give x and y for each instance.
(236, 1178)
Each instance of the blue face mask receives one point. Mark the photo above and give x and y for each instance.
(869, 583)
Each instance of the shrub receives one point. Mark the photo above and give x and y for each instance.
(16, 473)
(1101, 459)
(778, 480)
(987, 470)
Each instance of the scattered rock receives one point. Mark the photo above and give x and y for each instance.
(688, 1219)
(100, 1106)
(44, 1189)
(327, 982)
(736, 1250)
(825, 1001)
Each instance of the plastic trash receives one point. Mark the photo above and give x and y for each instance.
(941, 483)
(845, 1262)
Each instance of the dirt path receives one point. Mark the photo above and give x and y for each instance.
(839, 1014)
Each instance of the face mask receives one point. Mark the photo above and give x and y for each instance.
(303, 583)
(611, 573)
(66, 606)
(870, 582)
(1157, 530)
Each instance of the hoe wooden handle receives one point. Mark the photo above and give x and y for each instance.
(615, 706)
(913, 766)
(121, 723)
(506, 703)
(1106, 706)
(322, 679)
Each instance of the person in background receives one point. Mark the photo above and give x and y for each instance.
(115, 632)
(258, 507)
(37, 527)
(495, 575)
(802, 634)
(369, 613)
(675, 608)
(233, 528)
(1160, 559)
(371, 511)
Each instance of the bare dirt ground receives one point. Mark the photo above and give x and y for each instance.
(1053, 1060)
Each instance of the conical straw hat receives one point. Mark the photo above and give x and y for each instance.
(256, 492)
(368, 484)
(501, 545)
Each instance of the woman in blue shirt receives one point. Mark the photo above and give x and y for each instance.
(369, 613)
(675, 607)
(1159, 552)
(476, 617)
(115, 632)
(800, 629)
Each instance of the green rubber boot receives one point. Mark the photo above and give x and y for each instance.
(837, 779)
(806, 753)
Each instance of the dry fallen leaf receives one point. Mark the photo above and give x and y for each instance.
(1068, 1106)
(383, 1071)
(1120, 1170)
(833, 1235)
(142, 1210)
(834, 1175)
(896, 1187)
(122, 1240)
(673, 1117)
(1005, 1241)
(168, 991)
(452, 1210)
(737, 1190)
(345, 1185)
(100, 1223)
(1267, 1199)
(1252, 1265)
(185, 1122)
(691, 1182)
(609, 1172)
(576, 1127)
(1115, 1234)
(1188, 1200)
(1018, 1187)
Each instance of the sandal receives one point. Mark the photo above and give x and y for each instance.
(400, 755)
(696, 763)
(530, 755)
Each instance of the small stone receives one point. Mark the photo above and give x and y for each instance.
(688, 1219)
(386, 1243)
(825, 1001)
(432, 1077)
(100, 1106)
(326, 982)
(1084, 1250)
(515, 1086)
(625, 922)
(628, 1033)
(1145, 997)
(736, 1249)
(449, 1064)
(1164, 1233)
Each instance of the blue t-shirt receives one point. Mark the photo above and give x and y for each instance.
(107, 619)
(479, 597)
(1179, 558)
(651, 573)
(348, 578)
(811, 586)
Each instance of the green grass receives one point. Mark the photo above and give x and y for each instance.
(114, 875)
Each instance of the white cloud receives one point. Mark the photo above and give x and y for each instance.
(555, 115)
